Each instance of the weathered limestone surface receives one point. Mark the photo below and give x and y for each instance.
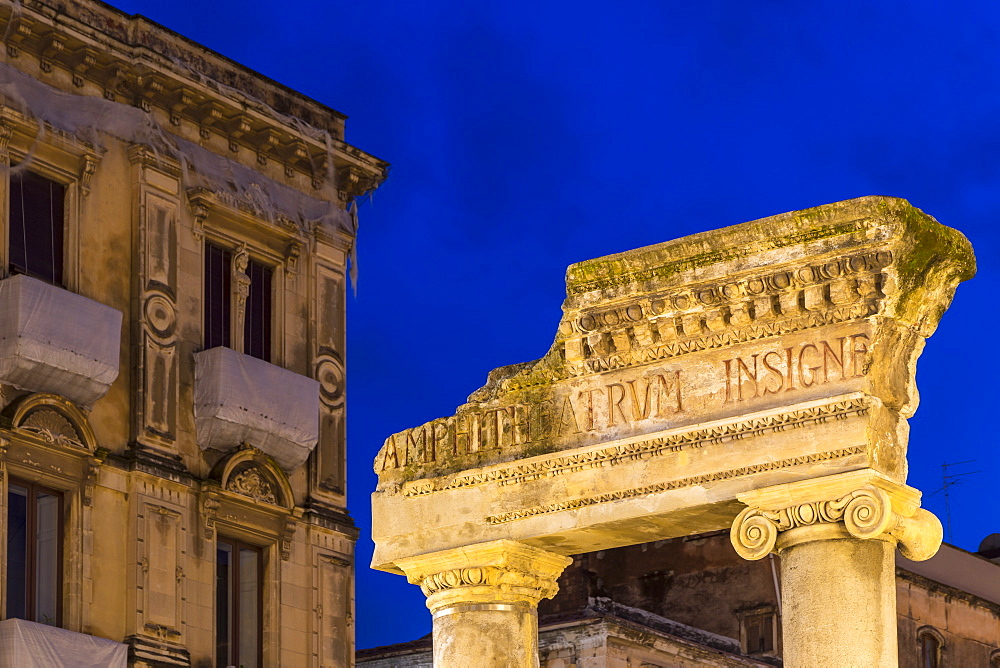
(683, 376)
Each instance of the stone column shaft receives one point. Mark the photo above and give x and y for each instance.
(484, 601)
(838, 600)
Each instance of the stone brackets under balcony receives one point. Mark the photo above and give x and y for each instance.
(240, 399)
(29, 645)
(52, 340)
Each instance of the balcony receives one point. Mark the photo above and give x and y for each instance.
(240, 399)
(52, 340)
(28, 644)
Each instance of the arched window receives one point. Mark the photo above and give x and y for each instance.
(931, 645)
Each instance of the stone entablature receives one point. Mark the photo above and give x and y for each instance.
(682, 377)
(782, 309)
(757, 377)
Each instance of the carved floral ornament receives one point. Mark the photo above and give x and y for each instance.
(253, 484)
(867, 512)
(53, 419)
(252, 474)
(52, 427)
(489, 576)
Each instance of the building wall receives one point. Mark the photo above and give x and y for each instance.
(144, 501)
(698, 581)
(968, 626)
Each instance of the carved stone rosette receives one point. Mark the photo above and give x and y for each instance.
(861, 504)
(500, 572)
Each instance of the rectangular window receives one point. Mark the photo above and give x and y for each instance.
(239, 604)
(759, 632)
(34, 553)
(218, 296)
(36, 227)
(221, 295)
(257, 331)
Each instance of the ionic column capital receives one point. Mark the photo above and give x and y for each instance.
(495, 573)
(861, 504)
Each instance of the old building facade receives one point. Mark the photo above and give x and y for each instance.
(175, 257)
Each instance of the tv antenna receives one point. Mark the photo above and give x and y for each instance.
(949, 480)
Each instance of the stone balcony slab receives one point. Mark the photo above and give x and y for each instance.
(52, 340)
(29, 644)
(240, 399)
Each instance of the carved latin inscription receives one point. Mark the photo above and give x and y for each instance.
(634, 402)
(787, 369)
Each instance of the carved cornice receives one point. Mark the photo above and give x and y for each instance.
(204, 202)
(705, 316)
(131, 61)
(146, 156)
(626, 452)
(876, 507)
(616, 273)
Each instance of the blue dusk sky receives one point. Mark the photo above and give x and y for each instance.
(525, 136)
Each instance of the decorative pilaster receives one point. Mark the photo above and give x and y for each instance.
(484, 600)
(836, 537)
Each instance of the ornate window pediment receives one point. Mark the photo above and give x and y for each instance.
(251, 499)
(252, 474)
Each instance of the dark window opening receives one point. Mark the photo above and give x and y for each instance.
(238, 604)
(930, 651)
(759, 633)
(257, 330)
(218, 296)
(35, 227)
(219, 328)
(34, 553)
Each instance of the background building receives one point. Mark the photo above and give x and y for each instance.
(694, 602)
(175, 257)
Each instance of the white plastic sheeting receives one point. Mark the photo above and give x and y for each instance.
(240, 399)
(25, 644)
(52, 340)
(91, 117)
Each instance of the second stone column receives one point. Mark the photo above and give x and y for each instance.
(484, 601)
(836, 537)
